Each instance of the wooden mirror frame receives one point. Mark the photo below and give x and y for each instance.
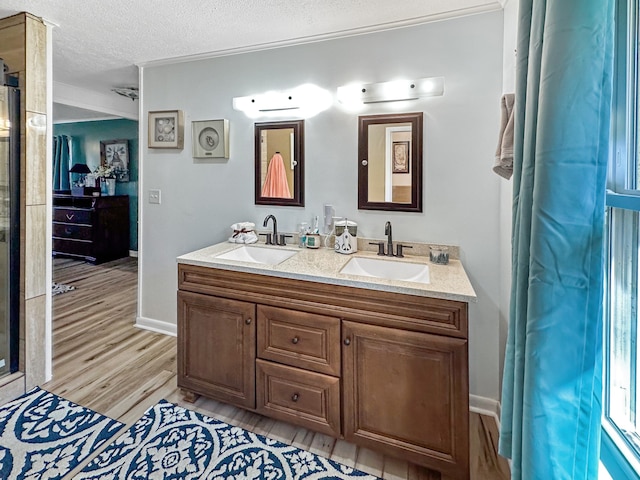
(415, 119)
(298, 172)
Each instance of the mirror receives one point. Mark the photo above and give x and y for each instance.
(279, 170)
(390, 162)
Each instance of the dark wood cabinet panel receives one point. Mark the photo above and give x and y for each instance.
(406, 393)
(216, 348)
(95, 229)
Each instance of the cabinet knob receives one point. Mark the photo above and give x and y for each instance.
(295, 397)
(347, 341)
(247, 321)
(295, 340)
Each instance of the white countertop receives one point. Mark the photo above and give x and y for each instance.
(323, 265)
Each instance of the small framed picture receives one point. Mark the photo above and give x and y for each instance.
(115, 154)
(210, 138)
(166, 129)
(400, 157)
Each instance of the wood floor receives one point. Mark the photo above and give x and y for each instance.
(101, 361)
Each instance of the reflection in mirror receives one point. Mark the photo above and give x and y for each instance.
(390, 162)
(279, 163)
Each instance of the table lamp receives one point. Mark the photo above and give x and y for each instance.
(82, 169)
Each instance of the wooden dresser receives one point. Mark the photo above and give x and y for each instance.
(95, 229)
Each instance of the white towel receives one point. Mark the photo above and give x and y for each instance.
(250, 237)
(504, 154)
(243, 226)
(243, 232)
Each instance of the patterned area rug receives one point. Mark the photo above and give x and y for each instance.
(43, 436)
(170, 442)
(58, 288)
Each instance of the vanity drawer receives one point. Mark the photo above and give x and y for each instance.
(72, 215)
(299, 339)
(308, 399)
(69, 230)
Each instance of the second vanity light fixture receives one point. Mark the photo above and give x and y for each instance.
(394, 91)
(302, 101)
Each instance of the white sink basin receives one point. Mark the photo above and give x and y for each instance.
(388, 269)
(264, 255)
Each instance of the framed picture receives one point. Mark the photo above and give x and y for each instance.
(115, 154)
(166, 129)
(400, 157)
(210, 138)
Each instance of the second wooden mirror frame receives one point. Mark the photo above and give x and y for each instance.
(415, 171)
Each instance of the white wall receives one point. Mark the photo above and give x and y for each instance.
(200, 199)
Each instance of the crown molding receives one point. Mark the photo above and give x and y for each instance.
(463, 12)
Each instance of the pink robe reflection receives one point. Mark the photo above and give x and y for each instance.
(275, 184)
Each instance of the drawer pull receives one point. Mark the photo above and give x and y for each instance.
(247, 321)
(70, 216)
(295, 340)
(295, 397)
(68, 230)
(347, 341)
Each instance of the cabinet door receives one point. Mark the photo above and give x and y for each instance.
(217, 348)
(407, 394)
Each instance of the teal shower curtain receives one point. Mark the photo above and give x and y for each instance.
(61, 156)
(551, 397)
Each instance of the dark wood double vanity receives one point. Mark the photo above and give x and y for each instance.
(381, 369)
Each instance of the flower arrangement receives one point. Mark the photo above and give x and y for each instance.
(105, 171)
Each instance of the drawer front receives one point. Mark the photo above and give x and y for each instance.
(72, 215)
(299, 339)
(74, 247)
(308, 399)
(69, 230)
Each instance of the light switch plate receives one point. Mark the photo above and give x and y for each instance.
(154, 196)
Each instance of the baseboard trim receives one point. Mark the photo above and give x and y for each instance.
(133, 253)
(157, 326)
(485, 406)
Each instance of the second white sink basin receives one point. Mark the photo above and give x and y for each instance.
(388, 269)
(264, 255)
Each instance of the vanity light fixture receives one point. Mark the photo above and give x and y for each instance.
(393, 91)
(304, 101)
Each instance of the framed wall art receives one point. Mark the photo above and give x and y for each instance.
(400, 157)
(115, 154)
(210, 138)
(166, 129)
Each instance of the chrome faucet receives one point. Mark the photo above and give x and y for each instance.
(389, 234)
(272, 239)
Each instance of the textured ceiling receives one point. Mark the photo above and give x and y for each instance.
(96, 45)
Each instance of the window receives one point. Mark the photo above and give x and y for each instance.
(621, 420)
